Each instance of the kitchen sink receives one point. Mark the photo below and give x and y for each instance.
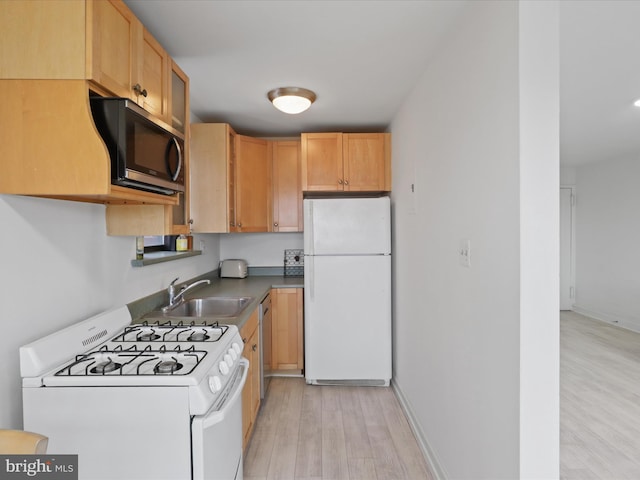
(206, 307)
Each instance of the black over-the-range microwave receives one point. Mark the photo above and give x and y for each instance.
(143, 154)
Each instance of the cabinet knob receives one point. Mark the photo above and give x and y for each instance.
(340, 182)
(346, 182)
(254, 347)
(275, 224)
(239, 225)
(139, 90)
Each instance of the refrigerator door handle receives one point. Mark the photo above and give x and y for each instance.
(310, 240)
(309, 261)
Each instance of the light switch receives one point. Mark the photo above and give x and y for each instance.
(464, 252)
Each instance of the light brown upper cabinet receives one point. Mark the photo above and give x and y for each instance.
(253, 184)
(346, 162)
(212, 167)
(287, 187)
(114, 40)
(45, 78)
(179, 107)
(230, 180)
(126, 59)
(322, 162)
(243, 184)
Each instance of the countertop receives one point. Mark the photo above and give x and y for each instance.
(256, 286)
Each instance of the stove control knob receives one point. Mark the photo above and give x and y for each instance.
(215, 384)
(224, 368)
(234, 354)
(228, 360)
(236, 347)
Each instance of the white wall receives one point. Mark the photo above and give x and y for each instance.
(539, 68)
(465, 345)
(259, 249)
(568, 176)
(607, 231)
(58, 267)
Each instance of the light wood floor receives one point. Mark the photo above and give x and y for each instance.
(332, 432)
(599, 400)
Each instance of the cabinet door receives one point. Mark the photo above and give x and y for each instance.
(366, 162)
(179, 98)
(246, 398)
(152, 77)
(32, 45)
(322, 162)
(252, 184)
(177, 112)
(211, 177)
(287, 189)
(249, 334)
(287, 348)
(113, 46)
(255, 373)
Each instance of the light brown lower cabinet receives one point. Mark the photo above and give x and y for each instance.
(250, 334)
(287, 352)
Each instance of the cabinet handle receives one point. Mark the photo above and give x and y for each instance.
(340, 181)
(244, 340)
(239, 225)
(139, 90)
(254, 348)
(346, 182)
(232, 224)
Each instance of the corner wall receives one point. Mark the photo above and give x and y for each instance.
(466, 340)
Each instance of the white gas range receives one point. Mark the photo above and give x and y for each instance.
(139, 401)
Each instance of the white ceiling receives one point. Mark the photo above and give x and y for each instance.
(362, 58)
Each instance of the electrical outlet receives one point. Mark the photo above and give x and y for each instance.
(464, 252)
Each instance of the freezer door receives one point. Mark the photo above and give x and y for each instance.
(347, 226)
(347, 319)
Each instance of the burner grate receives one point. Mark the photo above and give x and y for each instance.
(173, 332)
(133, 361)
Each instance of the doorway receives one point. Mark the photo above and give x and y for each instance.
(567, 247)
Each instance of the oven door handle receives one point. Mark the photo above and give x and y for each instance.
(212, 418)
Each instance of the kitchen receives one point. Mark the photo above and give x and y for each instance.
(63, 256)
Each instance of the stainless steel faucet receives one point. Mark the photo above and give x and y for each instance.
(176, 298)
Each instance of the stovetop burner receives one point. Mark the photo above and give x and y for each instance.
(198, 337)
(168, 366)
(147, 337)
(105, 367)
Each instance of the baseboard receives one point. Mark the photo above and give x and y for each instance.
(431, 458)
(621, 322)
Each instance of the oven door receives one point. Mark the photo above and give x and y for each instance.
(216, 436)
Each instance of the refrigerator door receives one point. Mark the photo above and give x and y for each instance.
(348, 319)
(347, 226)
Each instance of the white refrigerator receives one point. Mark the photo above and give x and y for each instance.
(347, 280)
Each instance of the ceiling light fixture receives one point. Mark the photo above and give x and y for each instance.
(637, 103)
(291, 99)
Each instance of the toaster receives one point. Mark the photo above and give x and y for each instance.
(233, 268)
